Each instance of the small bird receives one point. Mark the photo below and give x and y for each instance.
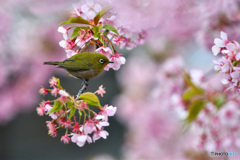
(85, 65)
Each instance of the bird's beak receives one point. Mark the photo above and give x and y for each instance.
(110, 62)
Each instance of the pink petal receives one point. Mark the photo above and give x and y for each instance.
(90, 3)
(89, 139)
(53, 116)
(231, 46)
(215, 50)
(48, 107)
(63, 93)
(63, 43)
(111, 110)
(90, 14)
(219, 42)
(82, 138)
(102, 124)
(224, 35)
(74, 137)
(100, 117)
(238, 56)
(217, 68)
(224, 81)
(70, 53)
(103, 134)
(84, 8)
(77, 12)
(95, 136)
(62, 29)
(80, 144)
(97, 7)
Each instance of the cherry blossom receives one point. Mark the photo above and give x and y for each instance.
(63, 112)
(101, 90)
(65, 139)
(89, 127)
(82, 37)
(104, 50)
(63, 93)
(49, 108)
(223, 64)
(100, 134)
(219, 43)
(80, 139)
(41, 110)
(90, 9)
(64, 31)
(51, 128)
(228, 63)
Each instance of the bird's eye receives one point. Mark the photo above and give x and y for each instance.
(101, 61)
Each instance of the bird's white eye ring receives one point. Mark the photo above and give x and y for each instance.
(101, 61)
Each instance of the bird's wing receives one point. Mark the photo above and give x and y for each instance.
(75, 65)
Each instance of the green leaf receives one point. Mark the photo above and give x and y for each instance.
(57, 106)
(78, 19)
(110, 28)
(235, 63)
(72, 112)
(72, 108)
(103, 11)
(194, 109)
(96, 30)
(191, 92)
(219, 101)
(218, 71)
(100, 39)
(100, 14)
(90, 98)
(70, 104)
(76, 31)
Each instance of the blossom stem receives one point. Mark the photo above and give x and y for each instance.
(84, 47)
(109, 42)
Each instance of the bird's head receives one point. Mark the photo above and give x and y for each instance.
(100, 62)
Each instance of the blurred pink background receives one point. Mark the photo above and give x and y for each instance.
(149, 121)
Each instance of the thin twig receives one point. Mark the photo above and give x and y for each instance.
(84, 86)
(85, 46)
(109, 42)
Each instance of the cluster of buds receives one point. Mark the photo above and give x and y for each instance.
(94, 25)
(75, 115)
(228, 64)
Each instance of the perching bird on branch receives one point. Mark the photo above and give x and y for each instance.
(83, 65)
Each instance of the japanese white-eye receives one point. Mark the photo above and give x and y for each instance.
(85, 65)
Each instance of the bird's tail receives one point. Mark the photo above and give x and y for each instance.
(51, 63)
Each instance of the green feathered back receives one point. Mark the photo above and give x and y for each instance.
(83, 65)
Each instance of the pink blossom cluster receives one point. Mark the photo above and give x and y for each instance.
(106, 40)
(216, 127)
(127, 37)
(85, 37)
(228, 63)
(181, 20)
(62, 112)
(153, 126)
(155, 110)
(219, 130)
(217, 16)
